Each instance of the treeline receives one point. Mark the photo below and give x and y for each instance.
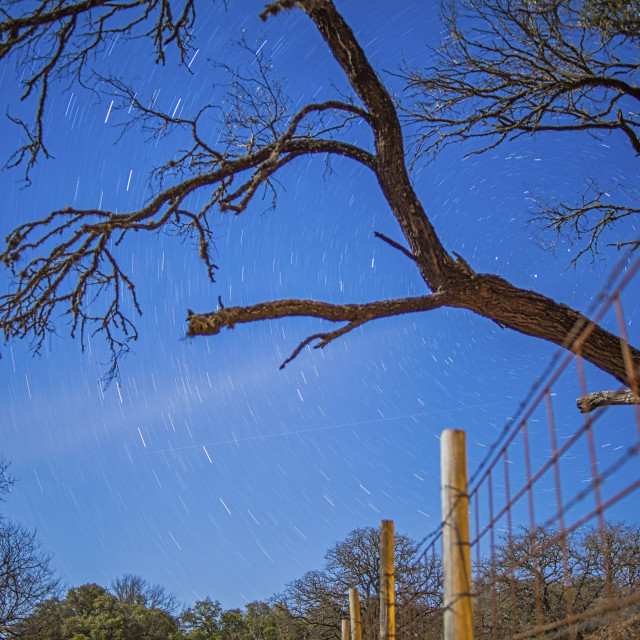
(133, 610)
(538, 578)
(543, 578)
(532, 578)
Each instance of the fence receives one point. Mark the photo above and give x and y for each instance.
(554, 513)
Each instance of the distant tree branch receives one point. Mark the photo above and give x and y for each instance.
(134, 589)
(586, 221)
(6, 479)
(506, 70)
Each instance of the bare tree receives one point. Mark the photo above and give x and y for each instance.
(134, 589)
(511, 69)
(547, 577)
(6, 479)
(319, 600)
(26, 576)
(260, 133)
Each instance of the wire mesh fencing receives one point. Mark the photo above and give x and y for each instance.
(554, 506)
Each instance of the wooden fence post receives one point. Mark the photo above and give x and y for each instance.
(345, 629)
(456, 553)
(387, 582)
(354, 611)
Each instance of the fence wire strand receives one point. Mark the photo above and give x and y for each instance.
(554, 507)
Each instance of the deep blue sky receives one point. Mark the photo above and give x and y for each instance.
(206, 469)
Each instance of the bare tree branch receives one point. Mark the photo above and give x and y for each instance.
(593, 401)
(82, 269)
(57, 40)
(69, 259)
(585, 222)
(394, 244)
(134, 589)
(506, 70)
(354, 314)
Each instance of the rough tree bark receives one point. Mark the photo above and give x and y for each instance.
(454, 283)
(83, 256)
(593, 401)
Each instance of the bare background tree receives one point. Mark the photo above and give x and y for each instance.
(67, 262)
(541, 577)
(507, 70)
(134, 589)
(315, 603)
(26, 576)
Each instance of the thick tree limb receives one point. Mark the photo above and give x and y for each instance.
(487, 295)
(258, 135)
(208, 324)
(435, 264)
(536, 315)
(592, 401)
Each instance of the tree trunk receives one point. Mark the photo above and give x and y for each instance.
(488, 295)
(536, 315)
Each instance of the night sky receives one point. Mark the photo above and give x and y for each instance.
(205, 468)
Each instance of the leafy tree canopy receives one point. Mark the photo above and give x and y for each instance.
(90, 612)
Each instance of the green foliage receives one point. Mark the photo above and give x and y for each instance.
(260, 621)
(206, 620)
(202, 621)
(90, 612)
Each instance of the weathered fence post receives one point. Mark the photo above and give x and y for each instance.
(354, 612)
(345, 629)
(456, 553)
(387, 582)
